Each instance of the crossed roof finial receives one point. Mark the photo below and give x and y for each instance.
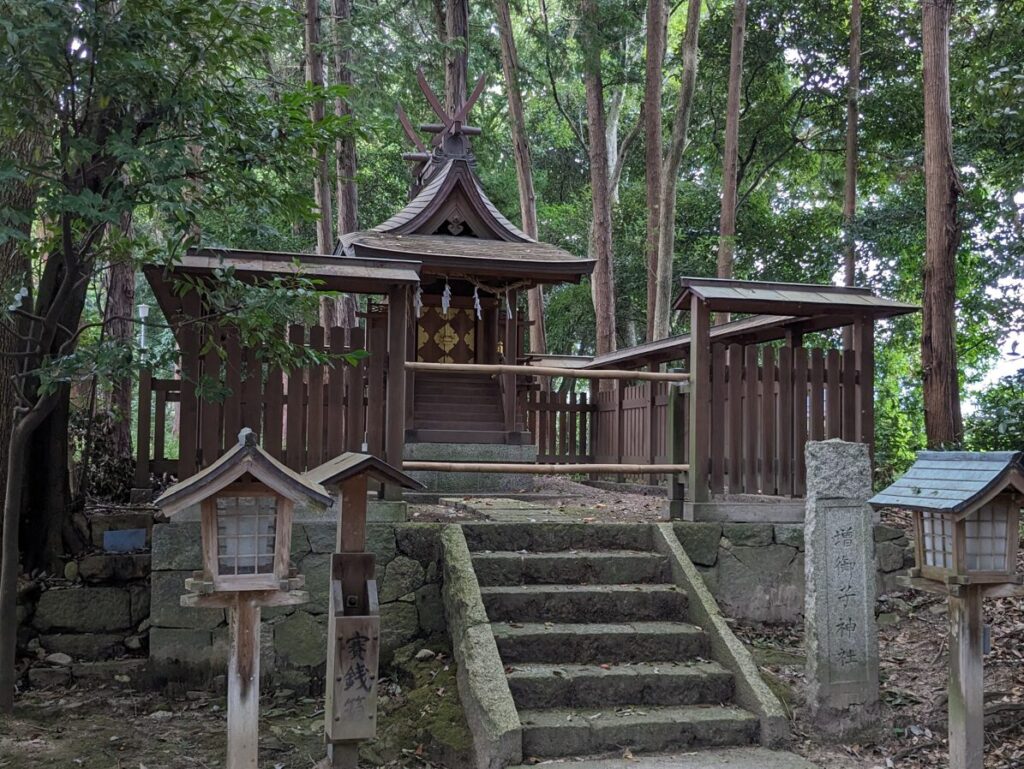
(449, 136)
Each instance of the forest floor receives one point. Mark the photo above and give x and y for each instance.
(112, 725)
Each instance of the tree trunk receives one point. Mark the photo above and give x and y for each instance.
(524, 167)
(119, 330)
(656, 20)
(727, 222)
(457, 57)
(15, 195)
(670, 174)
(315, 78)
(942, 417)
(603, 279)
(345, 149)
(850, 182)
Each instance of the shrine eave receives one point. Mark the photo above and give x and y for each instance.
(332, 273)
(467, 256)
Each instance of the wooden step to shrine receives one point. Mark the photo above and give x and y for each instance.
(598, 649)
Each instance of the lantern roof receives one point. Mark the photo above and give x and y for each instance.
(954, 482)
(246, 456)
(351, 464)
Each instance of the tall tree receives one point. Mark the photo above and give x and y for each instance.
(656, 22)
(603, 279)
(670, 173)
(942, 416)
(457, 54)
(345, 148)
(119, 329)
(524, 166)
(727, 220)
(852, 117)
(850, 178)
(315, 78)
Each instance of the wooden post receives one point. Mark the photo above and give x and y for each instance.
(864, 345)
(397, 331)
(677, 416)
(142, 480)
(508, 380)
(966, 680)
(243, 684)
(352, 516)
(700, 386)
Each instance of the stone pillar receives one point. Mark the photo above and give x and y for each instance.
(841, 637)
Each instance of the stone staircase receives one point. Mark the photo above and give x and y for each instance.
(598, 652)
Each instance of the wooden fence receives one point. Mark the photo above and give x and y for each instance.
(765, 404)
(303, 417)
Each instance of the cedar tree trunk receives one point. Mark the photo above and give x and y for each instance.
(603, 279)
(524, 167)
(942, 417)
(652, 145)
(670, 173)
(315, 78)
(727, 225)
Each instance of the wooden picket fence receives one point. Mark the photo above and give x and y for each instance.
(303, 417)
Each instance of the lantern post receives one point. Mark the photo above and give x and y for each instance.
(246, 499)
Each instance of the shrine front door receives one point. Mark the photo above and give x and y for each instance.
(446, 337)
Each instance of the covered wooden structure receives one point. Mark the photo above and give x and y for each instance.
(760, 386)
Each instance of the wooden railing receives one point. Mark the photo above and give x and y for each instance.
(303, 417)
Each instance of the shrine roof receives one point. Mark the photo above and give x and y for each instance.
(955, 482)
(246, 456)
(453, 228)
(351, 463)
(721, 295)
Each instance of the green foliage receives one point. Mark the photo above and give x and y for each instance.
(997, 423)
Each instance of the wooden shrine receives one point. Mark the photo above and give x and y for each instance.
(353, 630)
(474, 264)
(246, 500)
(966, 508)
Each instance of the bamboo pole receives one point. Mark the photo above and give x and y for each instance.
(569, 373)
(561, 469)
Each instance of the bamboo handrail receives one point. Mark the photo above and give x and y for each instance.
(542, 469)
(569, 373)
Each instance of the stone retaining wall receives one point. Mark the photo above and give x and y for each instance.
(756, 570)
(186, 644)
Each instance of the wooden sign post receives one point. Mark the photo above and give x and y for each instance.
(246, 500)
(353, 626)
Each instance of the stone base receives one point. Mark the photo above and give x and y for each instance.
(462, 483)
(387, 511)
(746, 508)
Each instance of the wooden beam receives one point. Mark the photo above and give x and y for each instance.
(571, 373)
(352, 515)
(966, 680)
(515, 467)
(700, 388)
(243, 685)
(398, 299)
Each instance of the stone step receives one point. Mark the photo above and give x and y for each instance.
(460, 423)
(532, 642)
(609, 567)
(722, 758)
(458, 436)
(584, 603)
(571, 732)
(537, 686)
(554, 537)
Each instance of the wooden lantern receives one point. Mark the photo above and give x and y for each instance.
(353, 630)
(966, 508)
(246, 498)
